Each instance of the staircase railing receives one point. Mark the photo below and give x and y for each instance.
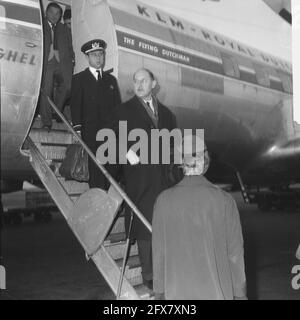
(99, 255)
(112, 181)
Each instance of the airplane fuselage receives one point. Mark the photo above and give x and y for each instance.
(241, 96)
(21, 53)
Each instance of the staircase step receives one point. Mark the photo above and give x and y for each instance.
(114, 238)
(51, 137)
(133, 262)
(133, 270)
(52, 152)
(134, 276)
(37, 124)
(73, 187)
(117, 250)
(144, 292)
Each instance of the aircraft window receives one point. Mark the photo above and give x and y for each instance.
(230, 66)
(262, 76)
(287, 82)
(2, 15)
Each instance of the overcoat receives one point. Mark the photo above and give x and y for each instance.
(197, 243)
(143, 182)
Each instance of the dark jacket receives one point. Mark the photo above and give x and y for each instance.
(64, 47)
(92, 105)
(143, 182)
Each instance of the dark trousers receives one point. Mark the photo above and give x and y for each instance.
(97, 178)
(53, 73)
(145, 255)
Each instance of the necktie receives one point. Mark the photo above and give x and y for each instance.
(54, 40)
(148, 104)
(152, 110)
(98, 75)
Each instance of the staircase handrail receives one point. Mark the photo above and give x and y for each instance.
(100, 166)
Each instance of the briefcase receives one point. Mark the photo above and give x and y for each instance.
(75, 164)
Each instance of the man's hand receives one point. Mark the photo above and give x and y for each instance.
(78, 133)
(132, 157)
(77, 129)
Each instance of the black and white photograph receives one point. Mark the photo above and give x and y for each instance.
(150, 150)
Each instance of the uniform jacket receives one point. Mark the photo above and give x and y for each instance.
(92, 106)
(197, 243)
(93, 103)
(143, 182)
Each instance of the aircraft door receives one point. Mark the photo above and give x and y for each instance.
(21, 55)
(93, 20)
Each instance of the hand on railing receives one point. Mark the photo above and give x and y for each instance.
(115, 184)
(77, 129)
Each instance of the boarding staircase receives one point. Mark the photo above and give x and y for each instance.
(92, 214)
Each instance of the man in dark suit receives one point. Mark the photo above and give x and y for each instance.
(143, 182)
(94, 95)
(58, 56)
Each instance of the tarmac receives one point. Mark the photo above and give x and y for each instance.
(44, 261)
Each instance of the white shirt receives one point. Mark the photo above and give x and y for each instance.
(52, 53)
(94, 72)
(50, 24)
(150, 101)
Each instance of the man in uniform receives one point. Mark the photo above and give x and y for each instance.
(197, 239)
(143, 182)
(58, 62)
(94, 96)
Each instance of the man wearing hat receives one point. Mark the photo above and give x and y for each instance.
(197, 239)
(94, 95)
